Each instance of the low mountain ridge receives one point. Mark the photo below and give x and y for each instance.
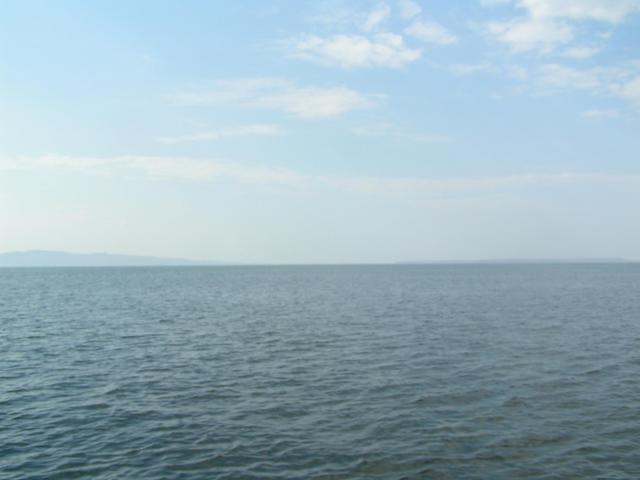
(45, 258)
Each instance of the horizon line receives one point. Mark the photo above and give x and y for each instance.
(183, 262)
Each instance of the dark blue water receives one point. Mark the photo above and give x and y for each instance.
(407, 372)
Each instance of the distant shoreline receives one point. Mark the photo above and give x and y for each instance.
(319, 265)
(57, 259)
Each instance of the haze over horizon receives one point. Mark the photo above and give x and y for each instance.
(327, 131)
(48, 258)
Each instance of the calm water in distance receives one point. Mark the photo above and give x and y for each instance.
(359, 372)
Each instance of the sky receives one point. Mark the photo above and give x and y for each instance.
(321, 131)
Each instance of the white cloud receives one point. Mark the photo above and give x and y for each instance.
(527, 34)
(350, 51)
(366, 39)
(376, 17)
(612, 11)
(631, 90)
(189, 169)
(463, 69)
(244, 130)
(409, 9)
(549, 23)
(563, 77)
(315, 102)
(601, 114)
(622, 82)
(580, 53)
(430, 32)
(281, 95)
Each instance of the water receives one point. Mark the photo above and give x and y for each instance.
(400, 372)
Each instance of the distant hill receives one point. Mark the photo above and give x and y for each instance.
(42, 258)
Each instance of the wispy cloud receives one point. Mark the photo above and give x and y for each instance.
(364, 38)
(523, 35)
(316, 102)
(548, 24)
(403, 186)
(232, 90)
(631, 90)
(189, 169)
(601, 114)
(601, 10)
(349, 51)
(463, 69)
(409, 9)
(280, 95)
(580, 53)
(390, 130)
(211, 135)
(376, 17)
(429, 31)
(176, 168)
(622, 81)
(557, 76)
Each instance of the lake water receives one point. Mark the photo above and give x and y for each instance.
(359, 372)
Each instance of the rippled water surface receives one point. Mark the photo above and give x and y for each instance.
(434, 372)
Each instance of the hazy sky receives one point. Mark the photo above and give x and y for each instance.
(321, 131)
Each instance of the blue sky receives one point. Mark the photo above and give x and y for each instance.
(321, 131)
